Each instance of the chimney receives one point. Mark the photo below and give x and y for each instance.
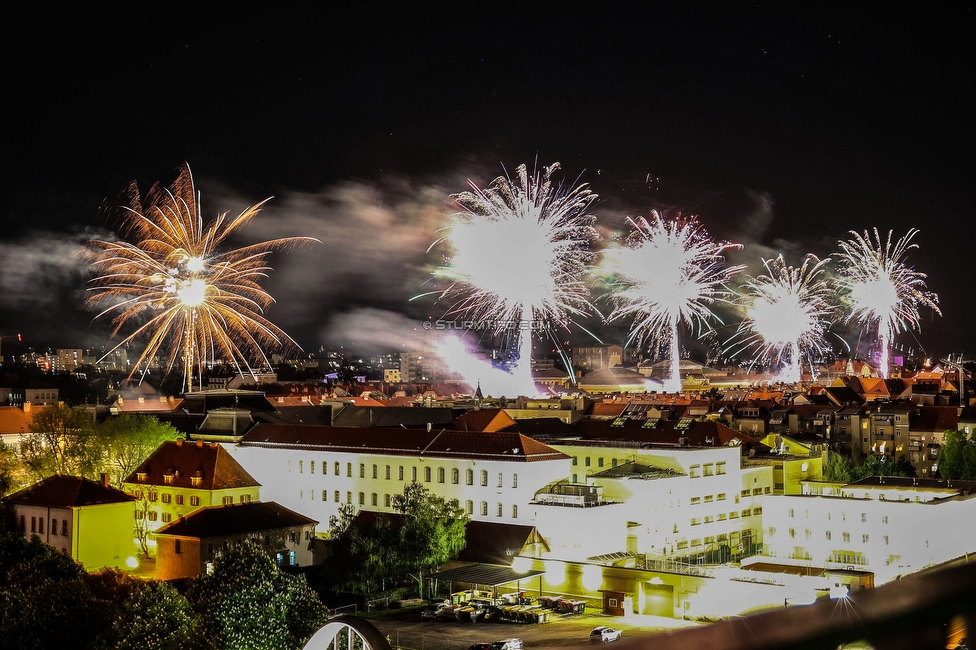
(200, 443)
(104, 480)
(27, 407)
(179, 442)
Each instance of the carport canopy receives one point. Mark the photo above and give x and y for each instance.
(492, 575)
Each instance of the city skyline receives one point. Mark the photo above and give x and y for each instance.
(781, 131)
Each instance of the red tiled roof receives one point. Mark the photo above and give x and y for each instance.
(935, 418)
(68, 492)
(13, 419)
(511, 446)
(184, 460)
(212, 521)
(491, 419)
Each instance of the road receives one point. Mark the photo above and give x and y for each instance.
(407, 630)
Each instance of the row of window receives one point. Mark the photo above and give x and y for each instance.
(696, 521)
(37, 526)
(791, 513)
(845, 536)
(388, 502)
(441, 473)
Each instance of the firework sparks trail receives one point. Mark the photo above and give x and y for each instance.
(191, 301)
(881, 288)
(520, 255)
(790, 310)
(669, 273)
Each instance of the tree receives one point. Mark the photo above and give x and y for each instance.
(432, 531)
(838, 468)
(129, 440)
(247, 603)
(957, 458)
(8, 469)
(875, 465)
(155, 616)
(61, 442)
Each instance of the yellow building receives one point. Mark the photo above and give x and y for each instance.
(89, 521)
(181, 477)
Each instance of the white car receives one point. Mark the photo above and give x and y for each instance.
(604, 634)
(507, 644)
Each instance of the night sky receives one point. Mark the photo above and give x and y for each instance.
(781, 130)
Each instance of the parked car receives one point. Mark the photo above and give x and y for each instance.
(480, 646)
(507, 644)
(604, 634)
(428, 613)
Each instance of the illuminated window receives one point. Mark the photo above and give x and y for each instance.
(694, 471)
(709, 519)
(757, 511)
(695, 521)
(484, 508)
(455, 476)
(484, 478)
(325, 467)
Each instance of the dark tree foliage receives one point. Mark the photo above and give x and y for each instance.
(957, 458)
(248, 603)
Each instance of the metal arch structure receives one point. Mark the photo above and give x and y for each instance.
(350, 629)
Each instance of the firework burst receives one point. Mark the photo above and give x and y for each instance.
(881, 289)
(788, 314)
(669, 273)
(190, 301)
(520, 255)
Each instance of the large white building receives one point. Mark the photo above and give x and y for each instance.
(886, 525)
(315, 469)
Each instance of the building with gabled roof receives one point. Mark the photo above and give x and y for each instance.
(180, 477)
(487, 420)
(315, 469)
(188, 547)
(91, 522)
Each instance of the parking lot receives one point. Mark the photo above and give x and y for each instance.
(407, 630)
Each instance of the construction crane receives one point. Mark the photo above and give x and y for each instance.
(959, 366)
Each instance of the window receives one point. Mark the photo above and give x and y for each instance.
(499, 479)
(884, 519)
(807, 533)
(362, 470)
(708, 498)
(386, 500)
(613, 462)
(484, 508)
(574, 461)
(246, 498)
(586, 461)
(469, 477)
(427, 474)
(325, 467)
(885, 539)
(864, 539)
(484, 478)
(846, 536)
(167, 498)
(757, 511)
(694, 471)
(498, 510)
(469, 507)
(336, 496)
(707, 469)
(720, 468)
(194, 501)
(400, 473)
(514, 511)
(695, 521)
(413, 474)
(828, 535)
(153, 496)
(336, 468)
(373, 499)
(177, 546)
(153, 516)
(167, 517)
(514, 480)
(311, 495)
(325, 495)
(349, 470)
(387, 472)
(440, 474)
(227, 501)
(179, 499)
(348, 497)
(455, 476)
(54, 526)
(789, 513)
(311, 467)
(599, 462)
(64, 529)
(792, 533)
(695, 501)
(375, 471)
(301, 467)
(864, 517)
(721, 496)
